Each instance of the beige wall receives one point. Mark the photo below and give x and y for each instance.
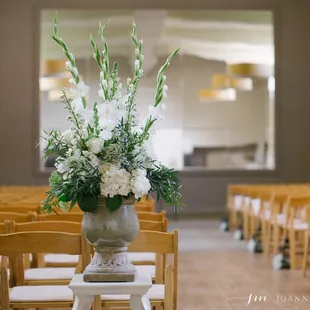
(202, 191)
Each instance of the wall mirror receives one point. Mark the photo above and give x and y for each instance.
(220, 105)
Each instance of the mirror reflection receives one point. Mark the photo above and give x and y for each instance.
(220, 104)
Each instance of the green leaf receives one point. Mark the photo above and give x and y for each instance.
(114, 203)
(88, 203)
(63, 206)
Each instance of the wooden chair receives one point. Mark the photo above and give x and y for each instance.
(296, 227)
(45, 296)
(41, 275)
(160, 295)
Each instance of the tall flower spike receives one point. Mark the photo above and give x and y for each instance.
(73, 69)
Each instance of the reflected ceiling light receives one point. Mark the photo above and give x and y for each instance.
(53, 83)
(250, 70)
(224, 81)
(53, 67)
(211, 95)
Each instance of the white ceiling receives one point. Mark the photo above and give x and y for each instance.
(230, 36)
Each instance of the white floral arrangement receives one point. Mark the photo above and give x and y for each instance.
(107, 152)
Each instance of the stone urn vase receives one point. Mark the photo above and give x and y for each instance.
(110, 232)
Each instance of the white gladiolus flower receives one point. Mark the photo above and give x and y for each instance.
(137, 64)
(77, 104)
(105, 134)
(155, 112)
(95, 145)
(165, 89)
(140, 183)
(72, 81)
(67, 136)
(69, 65)
(80, 90)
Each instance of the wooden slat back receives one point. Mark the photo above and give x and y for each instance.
(153, 225)
(67, 227)
(40, 242)
(154, 241)
(18, 217)
(69, 217)
(149, 216)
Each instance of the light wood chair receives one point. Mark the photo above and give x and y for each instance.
(296, 227)
(49, 275)
(21, 296)
(160, 295)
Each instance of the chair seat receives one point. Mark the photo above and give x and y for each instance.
(300, 226)
(146, 269)
(141, 257)
(238, 201)
(41, 293)
(156, 292)
(49, 273)
(61, 258)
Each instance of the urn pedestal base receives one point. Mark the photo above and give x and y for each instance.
(110, 265)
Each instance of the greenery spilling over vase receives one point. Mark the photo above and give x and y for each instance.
(107, 152)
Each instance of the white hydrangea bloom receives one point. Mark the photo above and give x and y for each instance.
(114, 180)
(140, 183)
(95, 145)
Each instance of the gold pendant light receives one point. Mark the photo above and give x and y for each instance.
(225, 81)
(250, 70)
(211, 95)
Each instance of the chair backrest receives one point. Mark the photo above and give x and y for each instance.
(154, 225)
(69, 217)
(18, 217)
(23, 208)
(57, 226)
(151, 216)
(160, 243)
(77, 216)
(16, 244)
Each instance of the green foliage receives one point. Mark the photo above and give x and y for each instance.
(74, 190)
(166, 184)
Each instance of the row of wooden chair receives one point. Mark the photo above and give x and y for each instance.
(276, 214)
(25, 281)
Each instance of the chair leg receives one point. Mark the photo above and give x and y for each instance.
(292, 248)
(276, 238)
(305, 256)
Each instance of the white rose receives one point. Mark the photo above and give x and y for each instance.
(140, 183)
(62, 167)
(95, 145)
(67, 136)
